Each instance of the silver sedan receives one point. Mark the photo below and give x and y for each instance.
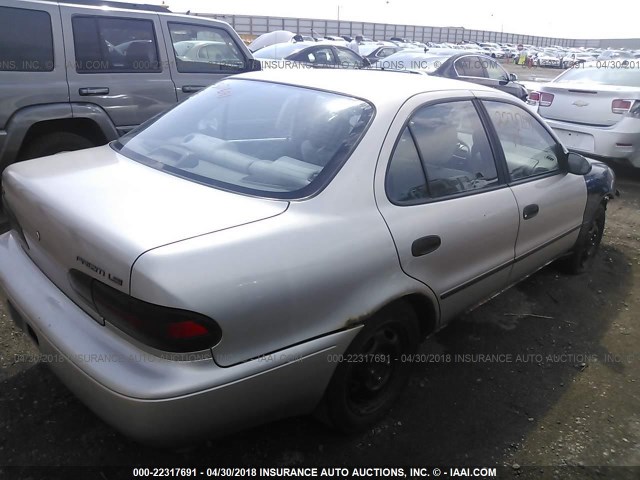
(281, 242)
(595, 108)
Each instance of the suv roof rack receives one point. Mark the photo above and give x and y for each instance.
(130, 6)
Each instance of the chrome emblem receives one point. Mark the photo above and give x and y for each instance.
(580, 103)
(38, 235)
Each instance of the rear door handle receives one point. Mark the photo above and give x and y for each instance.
(192, 88)
(425, 245)
(530, 211)
(88, 91)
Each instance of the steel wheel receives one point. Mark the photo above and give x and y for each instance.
(373, 372)
(587, 245)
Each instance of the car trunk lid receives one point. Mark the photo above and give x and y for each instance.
(97, 211)
(585, 103)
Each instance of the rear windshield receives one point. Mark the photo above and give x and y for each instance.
(616, 75)
(254, 137)
(279, 50)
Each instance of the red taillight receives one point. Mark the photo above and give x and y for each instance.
(543, 99)
(621, 106)
(186, 329)
(533, 97)
(165, 328)
(546, 99)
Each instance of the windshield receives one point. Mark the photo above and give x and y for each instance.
(254, 137)
(620, 76)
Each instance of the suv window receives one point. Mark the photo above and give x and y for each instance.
(107, 44)
(201, 49)
(22, 49)
(528, 148)
(451, 148)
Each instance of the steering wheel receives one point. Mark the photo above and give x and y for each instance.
(462, 148)
(461, 156)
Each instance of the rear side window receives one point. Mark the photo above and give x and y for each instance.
(112, 45)
(443, 151)
(26, 40)
(200, 49)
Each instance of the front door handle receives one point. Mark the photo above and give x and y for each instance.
(530, 211)
(88, 91)
(425, 245)
(192, 88)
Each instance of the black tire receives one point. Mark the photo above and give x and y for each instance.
(56, 142)
(587, 244)
(362, 392)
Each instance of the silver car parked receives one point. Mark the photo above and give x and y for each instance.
(281, 242)
(595, 109)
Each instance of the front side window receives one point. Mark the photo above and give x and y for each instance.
(201, 49)
(528, 148)
(316, 56)
(348, 59)
(495, 71)
(254, 137)
(26, 40)
(453, 151)
(112, 45)
(470, 67)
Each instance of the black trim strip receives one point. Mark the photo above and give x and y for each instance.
(546, 244)
(485, 275)
(473, 281)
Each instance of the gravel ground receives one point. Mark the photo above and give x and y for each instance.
(565, 393)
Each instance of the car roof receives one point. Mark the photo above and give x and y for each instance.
(372, 85)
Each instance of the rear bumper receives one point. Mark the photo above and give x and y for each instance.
(620, 141)
(156, 400)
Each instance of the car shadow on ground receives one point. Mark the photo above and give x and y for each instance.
(459, 408)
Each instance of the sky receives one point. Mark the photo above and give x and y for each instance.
(553, 18)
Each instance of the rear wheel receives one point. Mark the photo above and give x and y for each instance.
(374, 370)
(587, 245)
(56, 142)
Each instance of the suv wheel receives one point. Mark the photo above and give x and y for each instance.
(54, 143)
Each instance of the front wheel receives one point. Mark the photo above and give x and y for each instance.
(374, 370)
(587, 244)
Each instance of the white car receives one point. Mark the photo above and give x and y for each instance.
(595, 109)
(548, 59)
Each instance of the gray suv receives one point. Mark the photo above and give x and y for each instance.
(77, 75)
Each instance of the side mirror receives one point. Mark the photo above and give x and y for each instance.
(577, 164)
(513, 77)
(366, 62)
(254, 65)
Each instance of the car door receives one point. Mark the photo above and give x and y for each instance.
(220, 53)
(114, 61)
(551, 202)
(452, 217)
(484, 71)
